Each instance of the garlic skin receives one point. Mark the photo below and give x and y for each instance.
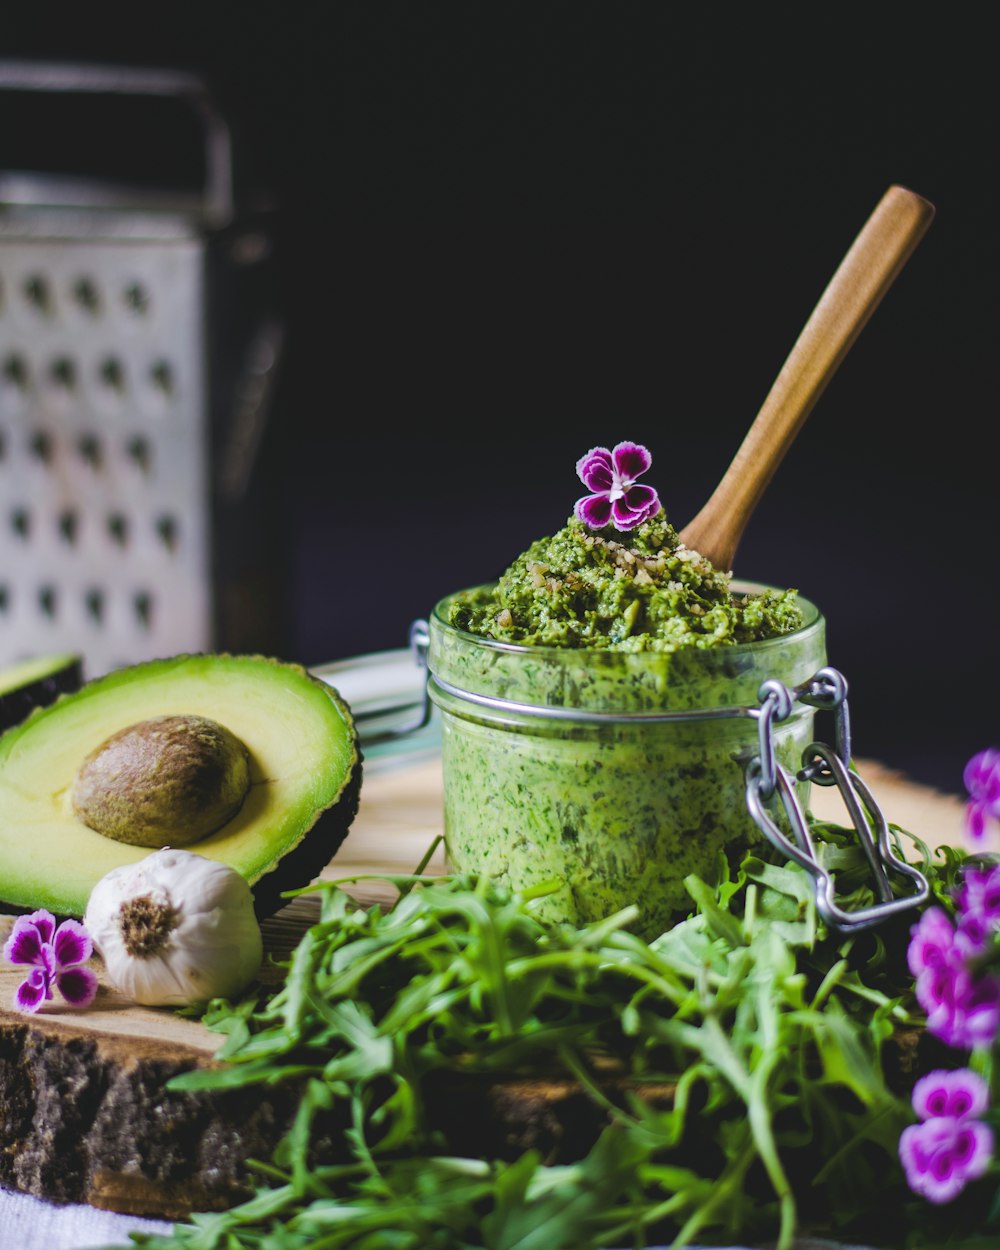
(175, 929)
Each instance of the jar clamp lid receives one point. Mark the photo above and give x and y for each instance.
(767, 782)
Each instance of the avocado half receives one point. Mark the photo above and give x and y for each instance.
(304, 761)
(36, 682)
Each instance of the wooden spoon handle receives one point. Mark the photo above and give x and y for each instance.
(875, 258)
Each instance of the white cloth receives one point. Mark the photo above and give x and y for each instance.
(28, 1223)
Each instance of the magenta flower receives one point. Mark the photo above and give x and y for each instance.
(55, 956)
(963, 1010)
(978, 901)
(932, 941)
(959, 1094)
(617, 498)
(950, 1146)
(982, 782)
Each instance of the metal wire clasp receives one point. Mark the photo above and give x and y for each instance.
(419, 644)
(826, 766)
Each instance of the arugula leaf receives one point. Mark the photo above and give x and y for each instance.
(769, 1031)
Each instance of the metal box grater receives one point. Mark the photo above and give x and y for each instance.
(130, 409)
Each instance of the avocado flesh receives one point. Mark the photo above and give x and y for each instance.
(36, 682)
(305, 776)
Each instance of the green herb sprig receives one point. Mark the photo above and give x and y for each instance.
(770, 1032)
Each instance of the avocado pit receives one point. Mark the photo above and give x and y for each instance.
(167, 781)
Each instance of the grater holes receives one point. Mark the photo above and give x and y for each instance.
(48, 600)
(167, 531)
(159, 387)
(139, 452)
(15, 372)
(142, 604)
(42, 446)
(111, 373)
(86, 296)
(118, 528)
(136, 299)
(161, 376)
(89, 448)
(38, 294)
(69, 526)
(20, 522)
(62, 374)
(94, 602)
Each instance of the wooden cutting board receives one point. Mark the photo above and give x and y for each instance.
(84, 1115)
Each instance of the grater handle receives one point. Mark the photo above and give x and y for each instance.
(57, 77)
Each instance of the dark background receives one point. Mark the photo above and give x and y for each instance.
(504, 233)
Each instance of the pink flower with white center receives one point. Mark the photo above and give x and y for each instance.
(960, 1094)
(54, 956)
(978, 901)
(932, 941)
(617, 498)
(950, 1147)
(982, 782)
(963, 1010)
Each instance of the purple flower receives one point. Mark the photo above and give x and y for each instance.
(978, 901)
(950, 1147)
(54, 956)
(959, 1094)
(617, 499)
(932, 940)
(943, 1154)
(963, 1010)
(982, 782)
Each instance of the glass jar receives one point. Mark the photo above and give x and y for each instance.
(553, 770)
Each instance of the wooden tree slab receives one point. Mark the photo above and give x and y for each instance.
(84, 1113)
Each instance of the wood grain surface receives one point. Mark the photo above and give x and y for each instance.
(84, 1115)
(883, 246)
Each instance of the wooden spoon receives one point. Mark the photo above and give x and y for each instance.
(884, 245)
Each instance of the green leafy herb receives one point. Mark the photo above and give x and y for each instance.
(768, 1033)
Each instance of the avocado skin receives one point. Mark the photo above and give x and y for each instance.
(64, 676)
(305, 862)
(321, 831)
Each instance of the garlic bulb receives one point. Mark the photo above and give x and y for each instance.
(175, 928)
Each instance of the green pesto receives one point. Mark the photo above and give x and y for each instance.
(613, 812)
(605, 590)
